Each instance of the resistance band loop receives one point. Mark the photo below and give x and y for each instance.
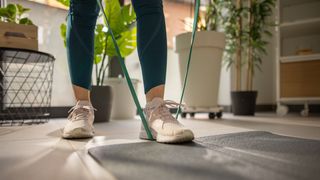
(126, 74)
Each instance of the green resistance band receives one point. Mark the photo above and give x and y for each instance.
(127, 76)
(194, 29)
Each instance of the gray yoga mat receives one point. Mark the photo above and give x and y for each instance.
(236, 156)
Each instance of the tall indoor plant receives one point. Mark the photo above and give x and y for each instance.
(245, 24)
(122, 22)
(204, 74)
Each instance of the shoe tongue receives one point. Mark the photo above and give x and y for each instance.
(83, 103)
(155, 101)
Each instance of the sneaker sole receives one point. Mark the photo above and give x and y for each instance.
(186, 137)
(78, 133)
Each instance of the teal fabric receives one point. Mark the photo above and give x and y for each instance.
(80, 40)
(151, 41)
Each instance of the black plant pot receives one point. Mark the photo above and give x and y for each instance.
(101, 99)
(244, 102)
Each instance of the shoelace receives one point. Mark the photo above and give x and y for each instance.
(80, 115)
(164, 111)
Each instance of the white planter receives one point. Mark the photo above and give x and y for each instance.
(123, 106)
(204, 74)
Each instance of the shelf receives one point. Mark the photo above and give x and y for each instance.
(285, 3)
(302, 27)
(299, 28)
(311, 21)
(298, 100)
(299, 58)
(300, 79)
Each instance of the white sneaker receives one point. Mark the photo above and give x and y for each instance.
(164, 127)
(80, 121)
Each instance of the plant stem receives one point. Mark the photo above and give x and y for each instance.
(101, 67)
(239, 48)
(96, 65)
(105, 69)
(250, 48)
(103, 60)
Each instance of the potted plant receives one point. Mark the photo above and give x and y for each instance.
(245, 26)
(122, 22)
(17, 30)
(204, 74)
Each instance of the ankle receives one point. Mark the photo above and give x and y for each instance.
(83, 103)
(155, 92)
(150, 99)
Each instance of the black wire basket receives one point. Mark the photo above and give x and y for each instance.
(25, 86)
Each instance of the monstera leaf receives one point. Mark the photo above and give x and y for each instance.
(128, 15)
(126, 42)
(113, 13)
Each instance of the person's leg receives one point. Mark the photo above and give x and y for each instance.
(152, 46)
(82, 19)
(152, 50)
(80, 50)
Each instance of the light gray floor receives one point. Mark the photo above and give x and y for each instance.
(38, 152)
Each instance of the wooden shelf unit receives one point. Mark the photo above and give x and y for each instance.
(298, 74)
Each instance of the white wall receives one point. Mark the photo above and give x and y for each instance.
(265, 80)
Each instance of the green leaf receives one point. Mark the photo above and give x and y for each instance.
(128, 14)
(99, 40)
(113, 13)
(12, 10)
(21, 9)
(268, 33)
(4, 13)
(97, 59)
(25, 21)
(126, 43)
(63, 33)
(65, 2)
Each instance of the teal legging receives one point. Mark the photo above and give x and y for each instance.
(151, 41)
